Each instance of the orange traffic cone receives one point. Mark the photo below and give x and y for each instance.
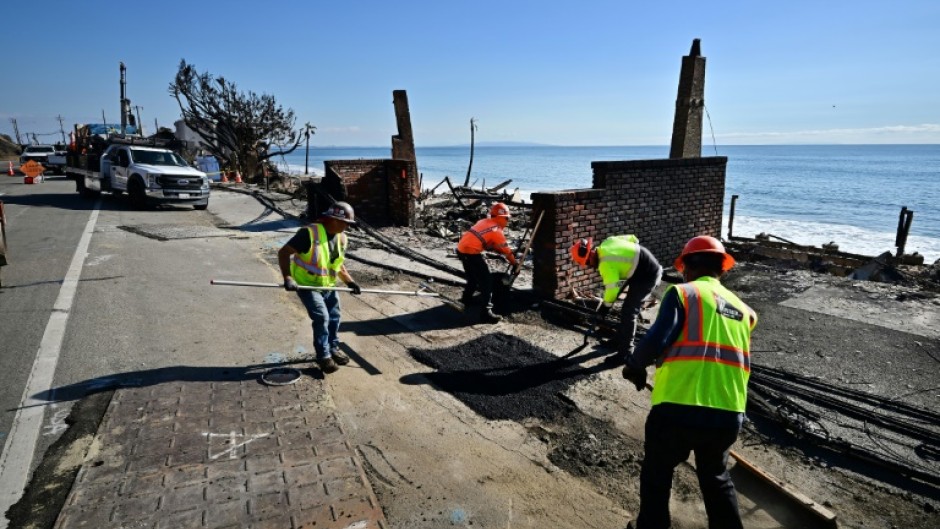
(238, 177)
(224, 177)
(10, 172)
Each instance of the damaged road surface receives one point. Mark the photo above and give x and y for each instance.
(514, 425)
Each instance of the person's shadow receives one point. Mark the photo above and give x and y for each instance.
(152, 377)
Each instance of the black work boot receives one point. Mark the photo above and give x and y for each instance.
(339, 357)
(487, 316)
(466, 298)
(327, 365)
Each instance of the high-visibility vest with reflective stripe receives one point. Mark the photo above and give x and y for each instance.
(313, 267)
(709, 364)
(617, 257)
(484, 235)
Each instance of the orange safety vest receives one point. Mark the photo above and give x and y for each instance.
(485, 235)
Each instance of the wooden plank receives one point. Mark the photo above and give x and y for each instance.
(788, 490)
(783, 487)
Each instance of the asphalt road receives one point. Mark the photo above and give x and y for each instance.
(135, 307)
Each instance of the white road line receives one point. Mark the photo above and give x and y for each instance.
(24, 432)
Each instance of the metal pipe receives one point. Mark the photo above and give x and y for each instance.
(419, 293)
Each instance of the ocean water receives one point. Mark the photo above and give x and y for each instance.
(810, 194)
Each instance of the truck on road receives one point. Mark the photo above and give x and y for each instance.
(47, 155)
(144, 168)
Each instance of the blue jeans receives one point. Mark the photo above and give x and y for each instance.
(324, 311)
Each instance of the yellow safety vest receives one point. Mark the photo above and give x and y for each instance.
(709, 364)
(617, 258)
(313, 267)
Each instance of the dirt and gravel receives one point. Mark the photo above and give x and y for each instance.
(454, 419)
(876, 338)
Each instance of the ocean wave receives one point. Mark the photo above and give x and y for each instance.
(850, 239)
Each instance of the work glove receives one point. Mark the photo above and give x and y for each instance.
(356, 289)
(290, 285)
(637, 376)
(516, 268)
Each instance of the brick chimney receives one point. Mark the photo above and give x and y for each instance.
(690, 103)
(403, 144)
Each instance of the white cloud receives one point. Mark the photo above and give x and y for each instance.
(923, 133)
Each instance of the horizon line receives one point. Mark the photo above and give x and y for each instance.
(555, 145)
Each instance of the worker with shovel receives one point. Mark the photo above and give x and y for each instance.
(622, 264)
(314, 257)
(485, 235)
(700, 343)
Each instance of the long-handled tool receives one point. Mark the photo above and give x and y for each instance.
(510, 278)
(450, 302)
(419, 293)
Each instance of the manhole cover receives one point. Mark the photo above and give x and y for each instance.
(280, 376)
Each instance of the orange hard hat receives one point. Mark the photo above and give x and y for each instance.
(704, 243)
(581, 250)
(499, 210)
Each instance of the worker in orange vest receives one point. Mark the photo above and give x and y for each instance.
(485, 235)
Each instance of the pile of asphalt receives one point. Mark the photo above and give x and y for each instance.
(503, 377)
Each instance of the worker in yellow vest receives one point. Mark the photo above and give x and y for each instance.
(314, 257)
(484, 236)
(700, 343)
(622, 264)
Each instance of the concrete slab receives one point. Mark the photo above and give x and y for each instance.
(872, 305)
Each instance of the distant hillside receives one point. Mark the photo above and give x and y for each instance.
(8, 148)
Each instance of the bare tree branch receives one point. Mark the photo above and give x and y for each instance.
(241, 129)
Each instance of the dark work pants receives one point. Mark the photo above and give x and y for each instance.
(667, 444)
(639, 287)
(478, 278)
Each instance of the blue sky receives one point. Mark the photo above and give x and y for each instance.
(563, 73)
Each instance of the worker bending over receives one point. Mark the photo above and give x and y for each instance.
(700, 343)
(485, 235)
(314, 257)
(622, 264)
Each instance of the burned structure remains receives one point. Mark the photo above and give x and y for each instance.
(384, 190)
(663, 202)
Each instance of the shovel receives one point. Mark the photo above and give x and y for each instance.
(510, 276)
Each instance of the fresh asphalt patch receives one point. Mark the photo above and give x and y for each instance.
(503, 377)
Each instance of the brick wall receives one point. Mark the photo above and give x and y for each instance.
(382, 192)
(663, 202)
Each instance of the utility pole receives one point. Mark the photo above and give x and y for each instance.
(140, 124)
(61, 128)
(307, 132)
(103, 119)
(125, 104)
(16, 130)
(473, 128)
(156, 128)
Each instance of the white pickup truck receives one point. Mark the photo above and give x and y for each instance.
(149, 176)
(51, 159)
